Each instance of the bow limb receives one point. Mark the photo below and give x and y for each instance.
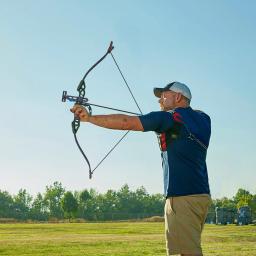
(81, 90)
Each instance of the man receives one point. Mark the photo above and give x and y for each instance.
(184, 136)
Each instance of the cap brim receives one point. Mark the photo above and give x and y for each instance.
(158, 92)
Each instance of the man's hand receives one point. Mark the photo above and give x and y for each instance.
(80, 112)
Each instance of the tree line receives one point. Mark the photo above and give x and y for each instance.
(57, 204)
(229, 207)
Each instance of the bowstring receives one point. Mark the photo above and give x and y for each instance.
(118, 142)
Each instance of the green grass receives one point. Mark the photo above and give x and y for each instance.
(116, 239)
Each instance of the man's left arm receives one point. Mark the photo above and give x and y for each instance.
(114, 121)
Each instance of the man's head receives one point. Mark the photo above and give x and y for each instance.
(173, 95)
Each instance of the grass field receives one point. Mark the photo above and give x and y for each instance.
(116, 239)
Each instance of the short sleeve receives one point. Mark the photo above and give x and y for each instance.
(159, 121)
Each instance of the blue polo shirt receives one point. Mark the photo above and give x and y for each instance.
(183, 136)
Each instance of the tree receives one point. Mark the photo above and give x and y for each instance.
(155, 204)
(87, 201)
(110, 203)
(227, 203)
(6, 205)
(39, 208)
(22, 204)
(84, 196)
(52, 199)
(69, 205)
(243, 198)
(253, 205)
(124, 196)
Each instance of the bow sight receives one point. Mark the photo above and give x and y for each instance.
(84, 102)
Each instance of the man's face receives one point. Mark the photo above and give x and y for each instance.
(167, 100)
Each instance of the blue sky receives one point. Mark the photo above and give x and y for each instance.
(45, 48)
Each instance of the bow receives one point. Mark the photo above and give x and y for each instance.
(82, 100)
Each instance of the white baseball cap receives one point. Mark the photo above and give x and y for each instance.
(175, 87)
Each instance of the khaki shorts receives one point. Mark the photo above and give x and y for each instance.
(184, 221)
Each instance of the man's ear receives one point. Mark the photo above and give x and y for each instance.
(178, 97)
